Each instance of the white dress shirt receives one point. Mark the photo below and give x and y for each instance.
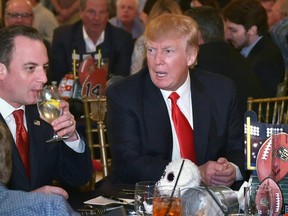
(185, 105)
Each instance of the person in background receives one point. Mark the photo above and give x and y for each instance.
(20, 12)
(13, 202)
(141, 132)
(247, 30)
(187, 4)
(127, 18)
(267, 4)
(279, 29)
(36, 163)
(44, 20)
(88, 36)
(139, 52)
(66, 11)
(217, 56)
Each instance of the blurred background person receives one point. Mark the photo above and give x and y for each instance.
(247, 30)
(187, 4)
(217, 56)
(88, 36)
(44, 20)
(127, 17)
(139, 52)
(279, 29)
(67, 11)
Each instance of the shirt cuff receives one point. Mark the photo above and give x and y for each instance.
(239, 176)
(77, 145)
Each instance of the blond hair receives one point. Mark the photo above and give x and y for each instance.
(173, 26)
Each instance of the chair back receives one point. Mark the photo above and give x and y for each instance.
(269, 110)
(94, 115)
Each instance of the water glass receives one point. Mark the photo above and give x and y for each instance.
(143, 202)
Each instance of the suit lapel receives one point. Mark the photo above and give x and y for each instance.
(201, 117)
(156, 118)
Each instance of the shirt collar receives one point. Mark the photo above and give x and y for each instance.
(246, 50)
(181, 91)
(90, 46)
(7, 109)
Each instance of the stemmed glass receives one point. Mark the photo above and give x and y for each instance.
(48, 103)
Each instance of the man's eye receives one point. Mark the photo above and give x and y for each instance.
(168, 51)
(46, 68)
(151, 50)
(29, 68)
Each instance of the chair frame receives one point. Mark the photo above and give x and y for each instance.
(103, 145)
(278, 104)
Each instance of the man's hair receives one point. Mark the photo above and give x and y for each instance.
(84, 2)
(247, 13)
(5, 154)
(173, 26)
(7, 38)
(209, 21)
(164, 7)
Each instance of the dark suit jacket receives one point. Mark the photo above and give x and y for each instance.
(139, 129)
(48, 161)
(267, 62)
(221, 58)
(117, 46)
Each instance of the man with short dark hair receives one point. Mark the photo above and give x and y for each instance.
(247, 30)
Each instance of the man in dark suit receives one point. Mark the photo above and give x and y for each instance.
(23, 68)
(140, 129)
(217, 56)
(87, 37)
(247, 30)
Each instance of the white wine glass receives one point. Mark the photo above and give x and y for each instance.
(48, 103)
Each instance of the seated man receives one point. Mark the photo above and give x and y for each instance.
(127, 17)
(36, 163)
(142, 131)
(24, 203)
(247, 30)
(92, 34)
(229, 62)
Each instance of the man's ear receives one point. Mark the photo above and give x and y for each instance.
(253, 30)
(192, 57)
(3, 71)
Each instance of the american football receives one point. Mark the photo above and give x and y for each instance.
(269, 200)
(273, 162)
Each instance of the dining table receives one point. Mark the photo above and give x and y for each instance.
(125, 191)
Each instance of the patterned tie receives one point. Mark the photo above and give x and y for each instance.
(183, 129)
(22, 140)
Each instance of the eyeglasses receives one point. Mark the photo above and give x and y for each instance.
(15, 15)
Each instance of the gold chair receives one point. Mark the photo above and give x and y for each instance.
(269, 110)
(94, 115)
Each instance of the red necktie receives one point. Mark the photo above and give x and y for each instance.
(183, 129)
(22, 140)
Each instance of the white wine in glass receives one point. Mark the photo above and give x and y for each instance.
(48, 103)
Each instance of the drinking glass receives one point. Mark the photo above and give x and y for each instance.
(143, 202)
(48, 103)
(167, 201)
(258, 202)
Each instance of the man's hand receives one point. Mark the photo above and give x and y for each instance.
(220, 172)
(65, 125)
(52, 190)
